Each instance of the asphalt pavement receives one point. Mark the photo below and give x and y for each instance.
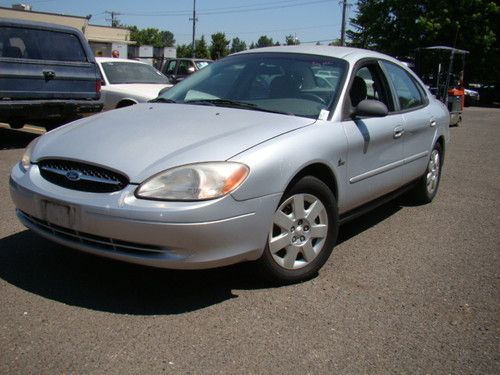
(408, 289)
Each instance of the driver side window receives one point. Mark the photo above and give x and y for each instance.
(171, 67)
(368, 84)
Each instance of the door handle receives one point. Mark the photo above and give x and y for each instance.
(49, 74)
(398, 132)
(433, 123)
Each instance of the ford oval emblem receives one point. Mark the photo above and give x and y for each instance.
(73, 175)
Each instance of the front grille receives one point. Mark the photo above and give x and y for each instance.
(97, 242)
(80, 176)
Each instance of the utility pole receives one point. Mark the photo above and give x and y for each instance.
(194, 19)
(113, 19)
(342, 29)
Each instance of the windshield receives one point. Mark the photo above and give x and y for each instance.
(125, 72)
(295, 84)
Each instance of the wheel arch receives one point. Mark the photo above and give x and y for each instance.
(125, 102)
(322, 172)
(441, 142)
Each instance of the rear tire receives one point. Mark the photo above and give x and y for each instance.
(304, 230)
(427, 186)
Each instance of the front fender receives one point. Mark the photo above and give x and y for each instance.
(274, 164)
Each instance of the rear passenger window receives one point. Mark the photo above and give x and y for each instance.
(407, 90)
(40, 45)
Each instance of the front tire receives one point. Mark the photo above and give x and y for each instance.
(303, 232)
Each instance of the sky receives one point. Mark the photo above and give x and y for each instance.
(308, 20)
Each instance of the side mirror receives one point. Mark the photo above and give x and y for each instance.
(370, 108)
(191, 70)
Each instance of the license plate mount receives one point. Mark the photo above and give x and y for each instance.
(58, 214)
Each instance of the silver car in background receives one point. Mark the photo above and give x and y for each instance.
(128, 82)
(258, 157)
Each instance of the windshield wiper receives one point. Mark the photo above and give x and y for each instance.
(161, 100)
(234, 104)
(225, 103)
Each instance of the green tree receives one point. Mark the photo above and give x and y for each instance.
(219, 47)
(167, 38)
(184, 50)
(397, 27)
(264, 41)
(291, 40)
(201, 48)
(151, 37)
(238, 45)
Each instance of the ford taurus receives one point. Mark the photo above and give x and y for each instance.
(258, 157)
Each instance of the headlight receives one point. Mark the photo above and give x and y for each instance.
(194, 182)
(26, 159)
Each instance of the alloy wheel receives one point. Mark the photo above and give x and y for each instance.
(299, 231)
(433, 169)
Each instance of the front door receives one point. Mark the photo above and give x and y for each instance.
(375, 155)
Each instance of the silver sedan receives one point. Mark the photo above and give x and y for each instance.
(258, 157)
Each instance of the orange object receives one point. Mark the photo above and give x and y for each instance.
(458, 92)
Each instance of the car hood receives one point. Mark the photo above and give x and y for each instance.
(148, 91)
(148, 138)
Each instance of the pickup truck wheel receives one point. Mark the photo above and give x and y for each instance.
(303, 232)
(16, 124)
(125, 103)
(427, 187)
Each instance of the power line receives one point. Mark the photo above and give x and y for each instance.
(227, 10)
(114, 21)
(281, 30)
(231, 8)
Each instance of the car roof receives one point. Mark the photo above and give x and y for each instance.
(346, 53)
(39, 25)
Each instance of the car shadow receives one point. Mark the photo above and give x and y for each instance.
(14, 139)
(370, 219)
(55, 272)
(74, 278)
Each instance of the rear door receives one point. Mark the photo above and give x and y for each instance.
(419, 125)
(37, 63)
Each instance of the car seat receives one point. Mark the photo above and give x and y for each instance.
(358, 91)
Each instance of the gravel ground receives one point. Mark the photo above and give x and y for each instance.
(408, 289)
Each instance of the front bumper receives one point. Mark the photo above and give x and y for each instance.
(179, 235)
